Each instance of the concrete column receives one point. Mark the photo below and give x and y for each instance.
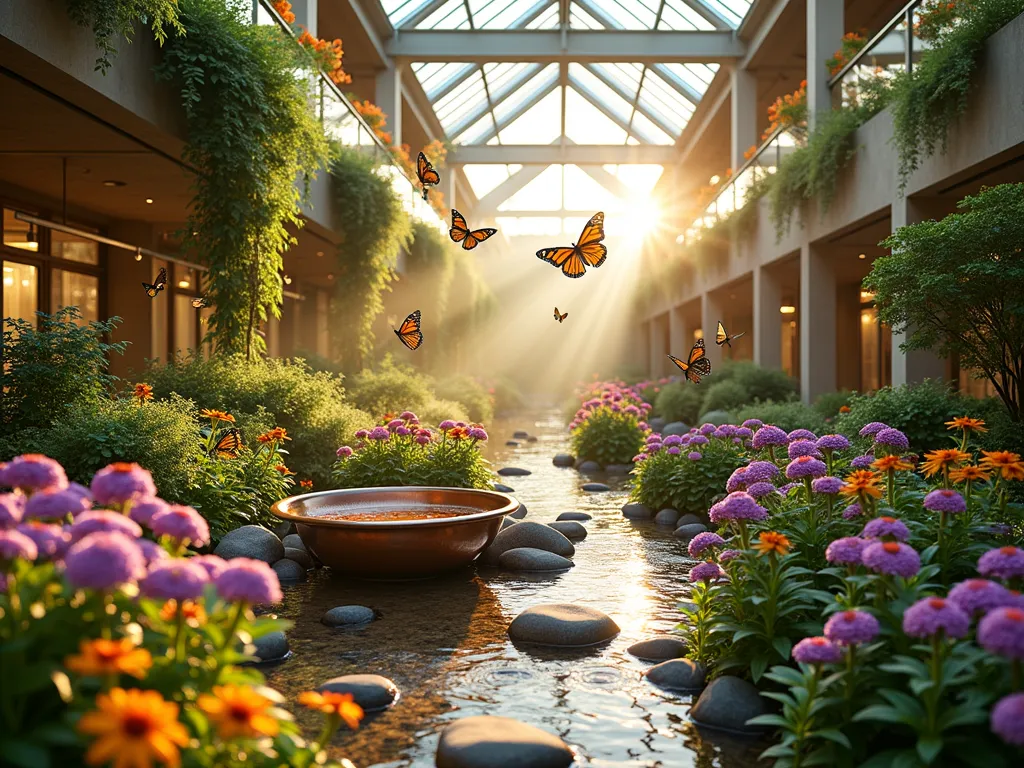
(824, 36)
(711, 312)
(306, 14)
(653, 349)
(389, 99)
(817, 323)
(743, 111)
(767, 319)
(448, 186)
(679, 339)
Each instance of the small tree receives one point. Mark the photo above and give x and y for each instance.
(957, 285)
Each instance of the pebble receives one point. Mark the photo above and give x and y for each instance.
(513, 472)
(520, 434)
(563, 460)
(595, 487)
(506, 522)
(658, 649)
(531, 439)
(253, 541)
(574, 516)
(589, 467)
(487, 741)
(657, 423)
(502, 488)
(688, 519)
(284, 528)
(272, 646)
(675, 428)
(348, 616)
(677, 675)
(687, 532)
(520, 513)
(371, 692)
(289, 571)
(511, 443)
(530, 559)
(618, 469)
(727, 703)
(637, 511)
(572, 530)
(667, 516)
(527, 534)
(562, 625)
(294, 541)
(300, 556)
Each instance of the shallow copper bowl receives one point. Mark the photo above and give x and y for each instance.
(396, 549)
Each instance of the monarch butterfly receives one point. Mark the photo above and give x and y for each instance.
(228, 445)
(426, 173)
(697, 365)
(409, 333)
(721, 337)
(588, 252)
(560, 318)
(152, 289)
(200, 301)
(460, 232)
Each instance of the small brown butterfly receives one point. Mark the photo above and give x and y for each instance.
(560, 317)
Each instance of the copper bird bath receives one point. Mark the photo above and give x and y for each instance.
(350, 530)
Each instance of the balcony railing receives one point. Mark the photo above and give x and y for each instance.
(346, 126)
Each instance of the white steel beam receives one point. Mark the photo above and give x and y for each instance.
(511, 117)
(596, 101)
(421, 15)
(576, 154)
(537, 9)
(489, 203)
(496, 98)
(607, 180)
(633, 100)
(708, 15)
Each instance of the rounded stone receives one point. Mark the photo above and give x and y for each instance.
(637, 511)
(571, 529)
(595, 487)
(294, 541)
(658, 649)
(718, 418)
(589, 467)
(618, 469)
(687, 532)
(348, 616)
(289, 571)
(667, 516)
(284, 528)
(253, 541)
(678, 675)
(573, 516)
(530, 559)
(727, 703)
(513, 472)
(371, 692)
(675, 428)
(657, 423)
(528, 534)
(520, 513)
(688, 519)
(520, 434)
(563, 460)
(300, 556)
(272, 646)
(487, 741)
(511, 443)
(502, 488)
(506, 522)
(531, 439)
(563, 625)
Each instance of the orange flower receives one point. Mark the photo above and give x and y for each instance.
(193, 612)
(751, 151)
(215, 415)
(942, 460)
(773, 543)
(967, 424)
(895, 463)
(143, 392)
(276, 435)
(239, 711)
(862, 482)
(336, 704)
(1006, 463)
(110, 657)
(844, 409)
(284, 8)
(284, 470)
(306, 485)
(968, 474)
(132, 729)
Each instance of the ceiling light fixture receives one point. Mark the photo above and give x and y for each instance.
(787, 309)
(149, 201)
(183, 283)
(862, 256)
(114, 183)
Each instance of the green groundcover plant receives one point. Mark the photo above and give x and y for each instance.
(608, 426)
(121, 647)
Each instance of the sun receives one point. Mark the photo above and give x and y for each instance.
(644, 215)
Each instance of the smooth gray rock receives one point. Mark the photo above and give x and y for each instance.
(563, 460)
(506, 522)
(253, 541)
(527, 534)
(595, 487)
(289, 571)
(294, 541)
(513, 472)
(667, 516)
(371, 692)
(573, 516)
(687, 532)
(511, 443)
(272, 646)
(637, 511)
(658, 649)
(688, 519)
(678, 675)
(486, 741)
(563, 625)
(572, 530)
(502, 488)
(618, 469)
(531, 439)
(300, 556)
(520, 513)
(284, 528)
(530, 559)
(520, 434)
(675, 428)
(348, 616)
(718, 418)
(589, 467)
(727, 703)
(657, 423)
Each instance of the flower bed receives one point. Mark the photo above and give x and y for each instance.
(122, 648)
(609, 425)
(891, 589)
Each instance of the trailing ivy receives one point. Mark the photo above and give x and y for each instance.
(373, 226)
(251, 134)
(934, 94)
(110, 19)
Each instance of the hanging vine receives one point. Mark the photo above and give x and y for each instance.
(251, 134)
(110, 19)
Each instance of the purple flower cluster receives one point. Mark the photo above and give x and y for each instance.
(703, 541)
(103, 561)
(800, 448)
(698, 440)
(761, 470)
(753, 423)
(892, 438)
(932, 615)
(817, 650)
(51, 540)
(852, 511)
(769, 435)
(15, 545)
(762, 489)
(56, 503)
(707, 429)
(1007, 719)
(845, 551)
(249, 581)
(673, 440)
(182, 524)
(121, 482)
(801, 434)
(706, 572)
(873, 428)
(980, 596)
(886, 528)
(852, 627)
(378, 433)
(97, 520)
(695, 456)
(143, 509)
(1002, 563)
(892, 557)
(829, 443)
(829, 486)
(1001, 632)
(737, 506)
(737, 480)
(945, 500)
(177, 579)
(32, 472)
(805, 466)
(729, 554)
(12, 509)
(862, 462)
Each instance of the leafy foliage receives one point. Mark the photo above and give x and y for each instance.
(724, 396)
(760, 383)
(829, 403)
(788, 416)
(389, 389)
(110, 19)
(679, 401)
(251, 134)
(468, 392)
(608, 437)
(667, 480)
(957, 286)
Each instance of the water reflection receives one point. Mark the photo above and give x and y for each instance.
(444, 642)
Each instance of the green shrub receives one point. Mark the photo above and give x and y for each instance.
(666, 480)
(55, 367)
(679, 402)
(508, 398)
(470, 393)
(718, 418)
(391, 388)
(725, 396)
(828, 405)
(760, 383)
(436, 411)
(787, 416)
(607, 437)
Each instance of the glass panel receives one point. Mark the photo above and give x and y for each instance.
(19, 234)
(544, 193)
(477, 131)
(586, 124)
(878, 62)
(583, 193)
(340, 123)
(21, 291)
(72, 248)
(580, 19)
(678, 15)
(541, 124)
(630, 14)
(185, 323)
(529, 225)
(484, 178)
(649, 131)
(451, 15)
(547, 20)
(730, 11)
(626, 76)
(598, 90)
(528, 90)
(73, 289)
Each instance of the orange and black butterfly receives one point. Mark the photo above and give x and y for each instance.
(587, 252)
(697, 364)
(200, 301)
(425, 172)
(152, 289)
(409, 333)
(560, 317)
(228, 445)
(461, 233)
(721, 337)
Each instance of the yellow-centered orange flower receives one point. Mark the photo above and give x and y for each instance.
(967, 424)
(276, 435)
(844, 409)
(862, 482)
(770, 542)
(284, 470)
(968, 474)
(944, 459)
(338, 704)
(892, 462)
(1006, 463)
(239, 711)
(215, 415)
(143, 392)
(193, 612)
(133, 729)
(100, 657)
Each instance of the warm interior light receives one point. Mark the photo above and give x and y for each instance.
(680, 239)
(149, 201)
(319, 253)
(183, 283)
(787, 309)
(715, 179)
(867, 296)
(113, 183)
(138, 254)
(287, 280)
(698, 333)
(862, 256)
